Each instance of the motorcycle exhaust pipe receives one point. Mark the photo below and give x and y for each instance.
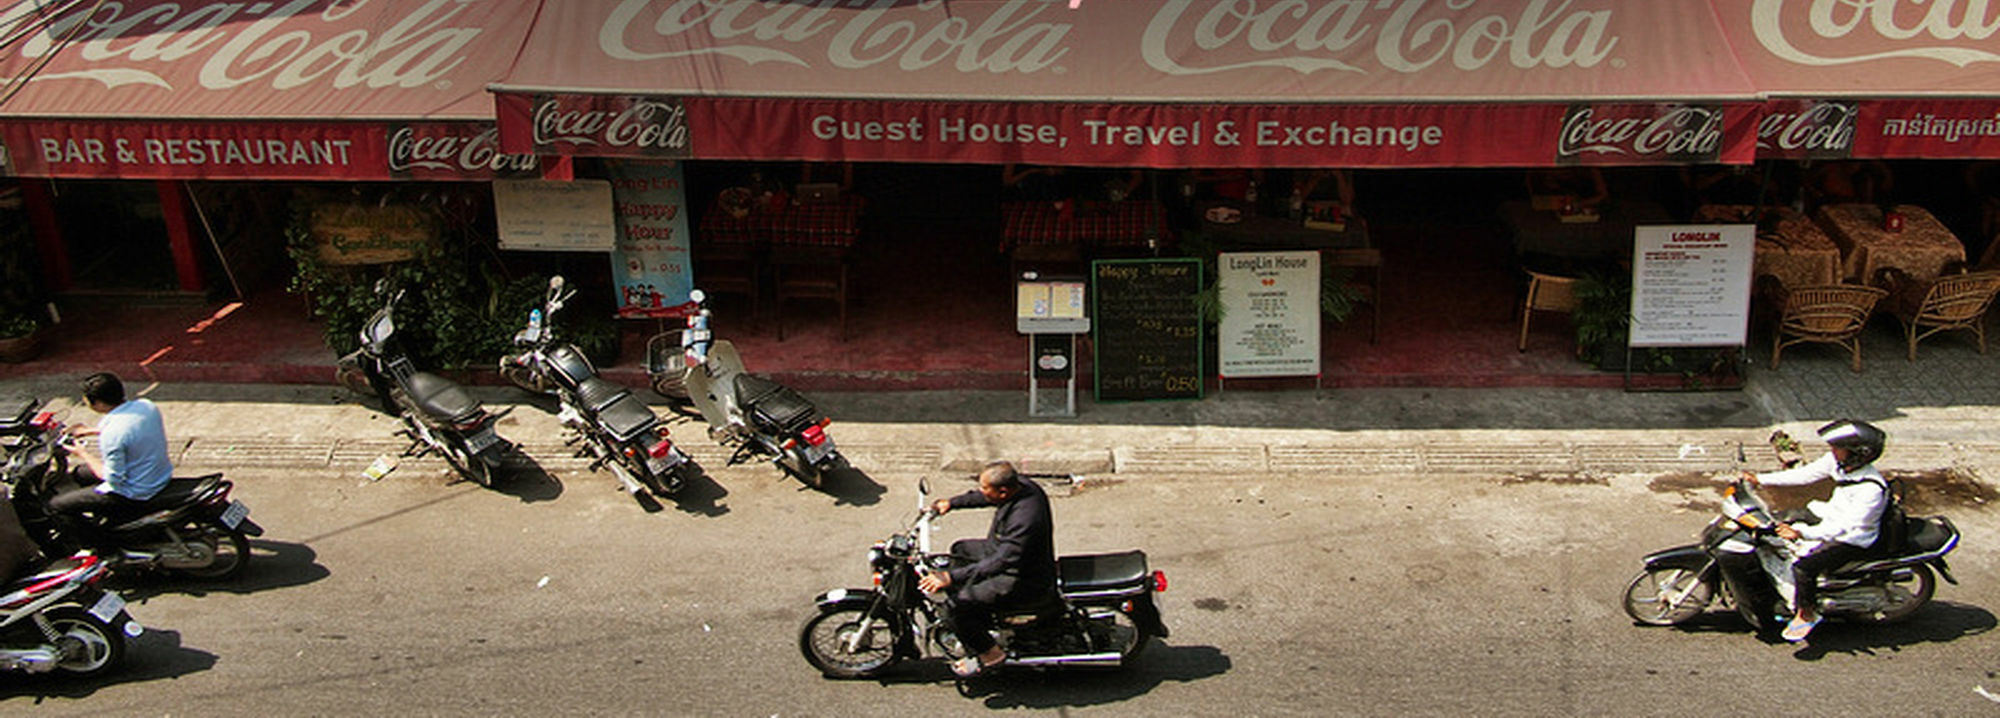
(1077, 660)
(34, 660)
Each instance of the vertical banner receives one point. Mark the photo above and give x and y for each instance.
(1691, 284)
(649, 261)
(1270, 314)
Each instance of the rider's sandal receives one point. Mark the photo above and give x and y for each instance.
(970, 666)
(1797, 630)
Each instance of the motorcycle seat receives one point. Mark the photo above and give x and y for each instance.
(595, 394)
(1101, 572)
(441, 397)
(626, 417)
(776, 403)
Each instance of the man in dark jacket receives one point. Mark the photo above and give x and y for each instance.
(1014, 565)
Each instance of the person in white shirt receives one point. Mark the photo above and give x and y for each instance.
(1848, 521)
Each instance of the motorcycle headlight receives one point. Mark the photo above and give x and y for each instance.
(875, 556)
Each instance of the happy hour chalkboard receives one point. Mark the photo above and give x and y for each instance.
(1147, 329)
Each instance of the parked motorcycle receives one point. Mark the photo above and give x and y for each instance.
(191, 528)
(438, 415)
(759, 417)
(1739, 551)
(612, 425)
(1102, 615)
(56, 618)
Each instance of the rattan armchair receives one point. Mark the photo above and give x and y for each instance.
(1827, 314)
(1951, 301)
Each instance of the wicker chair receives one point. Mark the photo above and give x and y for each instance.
(1951, 301)
(1826, 314)
(1546, 292)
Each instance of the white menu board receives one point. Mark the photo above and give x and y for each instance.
(1270, 314)
(1691, 284)
(571, 216)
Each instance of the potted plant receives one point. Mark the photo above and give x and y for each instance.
(20, 337)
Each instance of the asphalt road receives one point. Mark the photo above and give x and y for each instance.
(1387, 595)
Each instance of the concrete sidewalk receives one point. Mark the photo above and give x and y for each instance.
(1489, 431)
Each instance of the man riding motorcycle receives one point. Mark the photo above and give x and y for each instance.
(1849, 521)
(134, 466)
(1014, 565)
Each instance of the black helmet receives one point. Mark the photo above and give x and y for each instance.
(1861, 439)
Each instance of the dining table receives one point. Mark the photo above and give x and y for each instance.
(1083, 224)
(1264, 232)
(830, 223)
(1790, 246)
(1605, 235)
(1921, 248)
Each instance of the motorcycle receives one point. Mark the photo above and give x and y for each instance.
(56, 618)
(438, 415)
(755, 415)
(1102, 614)
(1739, 554)
(612, 424)
(191, 528)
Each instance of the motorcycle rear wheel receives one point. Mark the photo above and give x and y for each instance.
(825, 637)
(793, 462)
(466, 463)
(1126, 636)
(103, 646)
(1905, 599)
(1648, 602)
(232, 553)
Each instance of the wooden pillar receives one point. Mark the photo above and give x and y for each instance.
(180, 235)
(38, 197)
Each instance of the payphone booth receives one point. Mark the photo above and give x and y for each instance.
(1050, 311)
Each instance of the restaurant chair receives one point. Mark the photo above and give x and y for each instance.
(810, 272)
(1951, 301)
(1826, 314)
(1369, 259)
(1548, 293)
(729, 268)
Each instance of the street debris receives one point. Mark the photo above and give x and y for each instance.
(381, 467)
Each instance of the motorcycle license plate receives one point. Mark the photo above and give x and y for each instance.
(235, 514)
(815, 453)
(482, 440)
(107, 608)
(664, 463)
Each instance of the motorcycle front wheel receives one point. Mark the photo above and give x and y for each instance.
(99, 646)
(231, 549)
(1667, 596)
(826, 640)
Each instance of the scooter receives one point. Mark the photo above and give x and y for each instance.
(438, 415)
(1739, 554)
(56, 618)
(759, 417)
(1102, 614)
(191, 528)
(611, 424)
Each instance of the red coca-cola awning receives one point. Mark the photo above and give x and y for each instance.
(1871, 79)
(298, 89)
(1159, 83)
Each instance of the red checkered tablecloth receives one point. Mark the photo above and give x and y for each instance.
(1091, 224)
(827, 224)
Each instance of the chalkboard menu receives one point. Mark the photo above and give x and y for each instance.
(1147, 329)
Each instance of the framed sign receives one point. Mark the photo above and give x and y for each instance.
(574, 216)
(1270, 314)
(1147, 329)
(1691, 284)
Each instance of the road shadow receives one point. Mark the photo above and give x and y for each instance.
(525, 478)
(850, 486)
(155, 655)
(273, 565)
(700, 494)
(1015, 688)
(1940, 622)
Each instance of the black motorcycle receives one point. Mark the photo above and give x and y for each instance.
(1739, 554)
(1102, 614)
(758, 417)
(191, 528)
(438, 415)
(613, 426)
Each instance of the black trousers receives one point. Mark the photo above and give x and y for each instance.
(974, 605)
(68, 508)
(1808, 568)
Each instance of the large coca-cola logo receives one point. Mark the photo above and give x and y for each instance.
(1838, 32)
(1807, 129)
(1183, 37)
(1679, 133)
(341, 43)
(649, 126)
(442, 149)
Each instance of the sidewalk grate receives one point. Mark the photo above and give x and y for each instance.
(1186, 459)
(1491, 458)
(1344, 459)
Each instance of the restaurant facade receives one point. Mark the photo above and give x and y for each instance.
(190, 105)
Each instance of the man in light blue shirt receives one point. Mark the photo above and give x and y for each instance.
(133, 439)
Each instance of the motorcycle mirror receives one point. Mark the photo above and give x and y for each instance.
(697, 296)
(923, 487)
(556, 283)
(382, 286)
